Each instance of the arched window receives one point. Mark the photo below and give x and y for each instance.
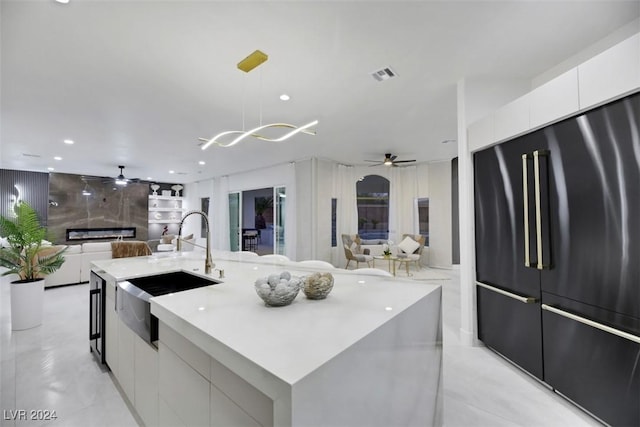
(373, 207)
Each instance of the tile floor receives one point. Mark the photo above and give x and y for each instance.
(50, 368)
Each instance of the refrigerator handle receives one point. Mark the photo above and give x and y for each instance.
(585, 321)
(526, 300)
(525, 194)
(536, 167)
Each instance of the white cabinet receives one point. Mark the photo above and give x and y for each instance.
(111, 328)
(512, 119)
(183, 389)
(614, 72)
(133, 362)
(167, 416)
(126, 359)
(555, 100)
(480, 133)
(224, 412)
(188, 376)
(146, 382)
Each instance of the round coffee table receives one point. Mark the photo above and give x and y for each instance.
(392, 262)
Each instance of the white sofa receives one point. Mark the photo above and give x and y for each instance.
(70, 270)
(93, 251)
(77, 263)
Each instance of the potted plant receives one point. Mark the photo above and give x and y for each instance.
(26, 257)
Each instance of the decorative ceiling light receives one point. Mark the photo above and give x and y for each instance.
(249, 63)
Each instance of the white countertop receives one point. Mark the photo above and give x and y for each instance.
(229, 320)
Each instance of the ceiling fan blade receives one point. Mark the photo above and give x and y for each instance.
(393, 157)
(376, 164)
(404, 161)
(373, 161)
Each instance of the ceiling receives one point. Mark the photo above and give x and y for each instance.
(136, 83)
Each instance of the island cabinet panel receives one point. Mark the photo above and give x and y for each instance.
(185, 349)
(111, 329)
(182, 388)
(146, 382)
(126, 360)
(167, 417)
(224, 412)
(255, 404)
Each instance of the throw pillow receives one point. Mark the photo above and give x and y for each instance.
(408, 245)
(188, 237)
(166, 239)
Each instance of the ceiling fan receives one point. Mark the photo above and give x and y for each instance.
(389, 160)
(121, 180)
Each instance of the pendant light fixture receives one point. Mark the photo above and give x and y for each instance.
(247, 64)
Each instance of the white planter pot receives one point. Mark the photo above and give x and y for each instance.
(27, 303)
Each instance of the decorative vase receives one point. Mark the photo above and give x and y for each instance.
(27, 302)
(317, 285)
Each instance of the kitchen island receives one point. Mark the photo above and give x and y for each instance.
(370, 354)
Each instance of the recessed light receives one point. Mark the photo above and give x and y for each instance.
(50, 169)
(57, 158)
(68, 141)
(63, 1)
(172, 171)
(201, 162)
(284, 97)
(149, 178)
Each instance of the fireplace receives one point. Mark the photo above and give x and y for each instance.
(101, 233)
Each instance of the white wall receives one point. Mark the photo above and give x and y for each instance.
(306, 193)
(324, 191)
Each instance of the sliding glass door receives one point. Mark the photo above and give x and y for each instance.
(280, 197)
(234, 221)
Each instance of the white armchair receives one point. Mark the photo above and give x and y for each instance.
(411, 247)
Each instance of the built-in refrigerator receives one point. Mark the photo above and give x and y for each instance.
(557, 219)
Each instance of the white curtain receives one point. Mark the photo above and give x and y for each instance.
(346, 210)
(403, 192)
(347, 205)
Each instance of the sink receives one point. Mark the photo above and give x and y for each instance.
(167, 283)
(133, 305)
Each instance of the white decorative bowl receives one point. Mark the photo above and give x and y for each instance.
(278, 290)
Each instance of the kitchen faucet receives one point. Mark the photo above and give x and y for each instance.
(208, 264)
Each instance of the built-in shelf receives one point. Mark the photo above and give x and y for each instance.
(165, 198)
(166, 210)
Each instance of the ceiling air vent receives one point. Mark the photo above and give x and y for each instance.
(384, 74)
(31, 155)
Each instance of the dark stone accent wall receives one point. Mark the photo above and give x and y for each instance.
(107, 205)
